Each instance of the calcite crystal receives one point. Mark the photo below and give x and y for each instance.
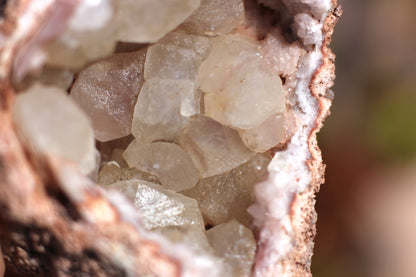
(89, 34)
(107, 91)
(49, 122)
(157, 112)
(215, 17)
(274, 130)
(236, 78)
(227, 196)
(148, 21)
(170, 93)
(236, 245)
(161, 207)
(168, 161)
(192, 236)
(185, 122)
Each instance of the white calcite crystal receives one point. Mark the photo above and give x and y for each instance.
(227, 196)
(51, 123)
(90, 34)
(107, 92)
(215, 17)
(168, 161)
(157, 111)
(214, 148)
(149, 20)
(236, 245)
(161, 207)
(274, 130)
(192, 236)
(177, 56)
(235, 79)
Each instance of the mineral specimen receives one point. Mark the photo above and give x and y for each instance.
(236, 245)
(213, 147)
(51, 123)
(161, 207)
(168, 161)
(205, 88)
(107, 92)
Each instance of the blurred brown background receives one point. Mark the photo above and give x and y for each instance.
(367, 207)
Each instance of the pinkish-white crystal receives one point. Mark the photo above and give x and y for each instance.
(236, 79)
(107, 92)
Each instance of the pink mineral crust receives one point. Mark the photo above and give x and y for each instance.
(284, 211)
(54, 212)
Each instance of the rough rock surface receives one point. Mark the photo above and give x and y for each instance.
(55, 222)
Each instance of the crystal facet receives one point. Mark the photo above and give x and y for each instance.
(227, 196)
(168, 161)
(50, 122)
(149, 20)
(215, 17)
(107, 92)
(236, 79)
(213, 147)
(161, 207)
(236, 245)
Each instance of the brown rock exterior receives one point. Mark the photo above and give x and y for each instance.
(54, 221)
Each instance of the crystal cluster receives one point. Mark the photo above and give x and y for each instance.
(184, 123)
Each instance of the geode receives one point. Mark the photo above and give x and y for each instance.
(204, 115)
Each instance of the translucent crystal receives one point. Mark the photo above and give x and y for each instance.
(170, 93)
(50, 122)
(148, 20)
(161, 207)
(112, 172)
(107, 92)
(227, 196)
(90, 34)
(236, 245)
(236, 79)
(168, 161)
(213, 147)
(215, 17)
(193, 237)
(176, 57)
(157, 111)
(267, 135)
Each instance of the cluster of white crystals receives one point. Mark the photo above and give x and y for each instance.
(184, 124)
